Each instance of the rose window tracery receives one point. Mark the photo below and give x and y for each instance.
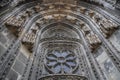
(61, 62)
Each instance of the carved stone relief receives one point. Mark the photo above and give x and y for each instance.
(110, 71)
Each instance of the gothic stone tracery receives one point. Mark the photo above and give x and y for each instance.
(60, 41)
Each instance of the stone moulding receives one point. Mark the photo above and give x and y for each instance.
(63, 77)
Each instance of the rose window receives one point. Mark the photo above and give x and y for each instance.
(61, 62)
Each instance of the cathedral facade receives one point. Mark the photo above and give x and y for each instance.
(60, 40)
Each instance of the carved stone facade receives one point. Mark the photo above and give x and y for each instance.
(60, 40)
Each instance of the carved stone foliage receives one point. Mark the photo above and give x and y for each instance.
(29, 40)
(13, 21)
(92, 38)
(15, 25)
(83, 10)
(37, 8)
(107, 27)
